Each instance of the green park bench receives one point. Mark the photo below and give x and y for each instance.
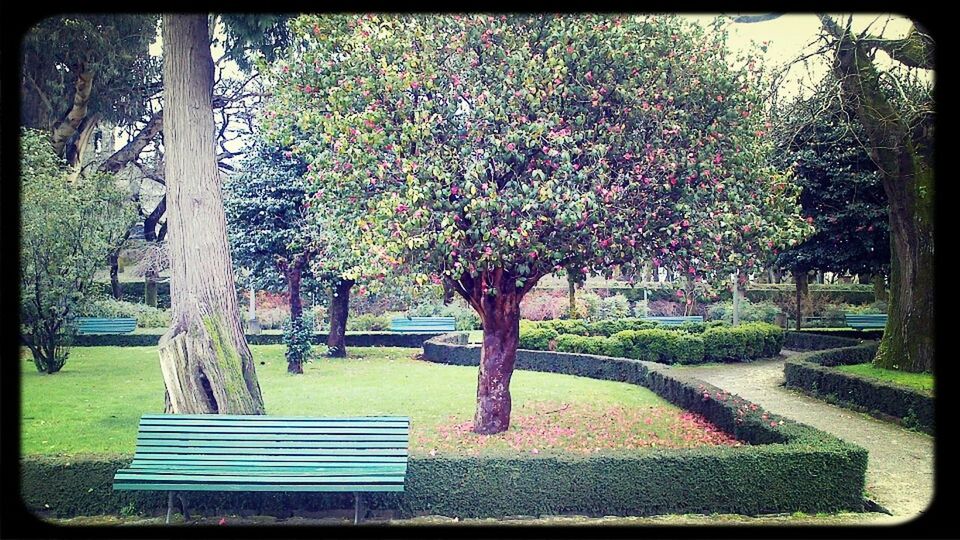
(866, 322)
(423, 324)
(97, 325)
(674, 321)
(220, 452)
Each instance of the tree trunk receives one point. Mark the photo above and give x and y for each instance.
(339, 309)
(448, 293)
(801, 279)
(150, 287)
(736, 301)
(689, 301)
(501, 337)
(206, 364)
(69, 125)
(572, 295)
(294, 361)
(115, 290)
(879, 288)
(903, 149)
(494, 295)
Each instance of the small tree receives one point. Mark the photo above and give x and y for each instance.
(494, 150)
(67, 232)
(268, 232)
(842, 193)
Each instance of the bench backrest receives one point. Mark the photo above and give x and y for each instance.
(98, 325)
(674, 321)
(423, 324)
(868, 320)
(209, 452)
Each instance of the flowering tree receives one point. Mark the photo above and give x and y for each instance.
(493, 150)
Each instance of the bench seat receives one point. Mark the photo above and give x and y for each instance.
(866, 321)
(423, 324)
(99, 325)
(191, 452)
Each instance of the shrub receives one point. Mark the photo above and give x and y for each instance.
(742, 343)
(296, 336)
(640, 309)
(762, 311)
(597, 345)
(369, 321)
(664, 346)
(613, 307)
(537, 338)
(146, 316)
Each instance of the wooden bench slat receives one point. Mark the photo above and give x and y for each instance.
(234, 429)
(325, 458)
(267, 440)
(266, 418)
(346, 488)
(315, 437)
(208, 476)
(255, 468)
(279, 450)
(280, 426)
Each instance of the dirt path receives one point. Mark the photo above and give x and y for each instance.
(900, 464)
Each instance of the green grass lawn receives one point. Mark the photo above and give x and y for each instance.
(917, 381)
(94, 404)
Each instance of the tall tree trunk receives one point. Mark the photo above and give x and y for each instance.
(572, 295)
(206, 364)
(115, 290)
(294, 273)
(879, 288)
(689, 301)
(736, 300)
(903, 149)
(339, 309)
(801, 279)
(150, 287)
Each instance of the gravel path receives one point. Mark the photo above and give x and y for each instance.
(900, 463)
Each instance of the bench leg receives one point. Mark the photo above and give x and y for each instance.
(356, 507)
(183, 506)
(169, 505)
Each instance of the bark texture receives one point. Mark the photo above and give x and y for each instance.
(801, 279)
(496, 298)
(903, 149)
(67, 127)
(206, 364)
(339, 310)
(294, 274)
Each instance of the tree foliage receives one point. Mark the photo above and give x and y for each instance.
(67, 231)
(113, 47)
(535, 143)
(842, 194)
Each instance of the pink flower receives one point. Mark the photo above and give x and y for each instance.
(511, 147)
(223, 521)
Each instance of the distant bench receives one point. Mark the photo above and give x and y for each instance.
(675, 321)
(423, 324)
(220, 452)
(866, 322)
(97, 325)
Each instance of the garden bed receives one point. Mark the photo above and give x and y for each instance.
(814, 373)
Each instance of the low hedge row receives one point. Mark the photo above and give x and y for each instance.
(761, 480)
(809, 341)
(846, 332)
(812, 373)
(697, 343)
(366, 339)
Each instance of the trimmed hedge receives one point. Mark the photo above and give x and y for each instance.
(366, 339)
(689, 343)
(759, 480)
(808, 341)
(845, 332)
(812, 373)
